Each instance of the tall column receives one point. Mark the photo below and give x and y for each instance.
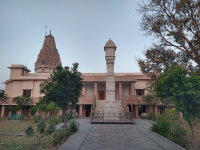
(95, 89)
(80, 111)
(150, 109)
(120, 91)
(156, 110)
(110, 104)
(133, 88)
(2, 111)
(181, 115)
(85, 91)
(136, 111)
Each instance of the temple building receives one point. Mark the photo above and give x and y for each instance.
(102, 92)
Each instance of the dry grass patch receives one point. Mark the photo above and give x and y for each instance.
(24, 142)
(15, 126)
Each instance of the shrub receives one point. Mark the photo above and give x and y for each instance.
(37, 119)
(60, 135)
(68, 116)
(53, 121)
(33, 110)
(73, 126)
(41, 126)
(50, 130)
(29, 131)
(152, 116)
(171, 126)
(179, 134)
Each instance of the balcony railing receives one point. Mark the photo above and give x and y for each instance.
(133, 99)
(87, 99)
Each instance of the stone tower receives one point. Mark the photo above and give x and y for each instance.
(48, 57)
(110, 112)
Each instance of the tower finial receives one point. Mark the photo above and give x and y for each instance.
(50, 32)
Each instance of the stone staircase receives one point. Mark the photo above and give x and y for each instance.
(100, 107)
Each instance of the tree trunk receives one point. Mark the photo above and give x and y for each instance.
(65, 118)
(194, 138)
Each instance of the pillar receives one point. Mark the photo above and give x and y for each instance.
(85, 89)
(80, 111)
(156, 111)
(2, 111)
(136, 111)
(95, 89)
(133, 88)
(150, 109)
(181, 115)
(120, 91)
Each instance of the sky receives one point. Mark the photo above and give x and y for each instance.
(81, 28)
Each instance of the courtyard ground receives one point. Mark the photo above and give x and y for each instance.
(117, 137)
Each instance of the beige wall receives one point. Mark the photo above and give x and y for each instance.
(90, 88)
(15, 73)
(141, 84)
(125, 89)
(16, 89)
(36, 89)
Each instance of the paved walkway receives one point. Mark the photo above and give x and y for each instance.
(117, 137)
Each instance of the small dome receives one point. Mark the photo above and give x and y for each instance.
(110, 43)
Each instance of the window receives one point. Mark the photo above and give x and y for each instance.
(139, 92)
(27, 93)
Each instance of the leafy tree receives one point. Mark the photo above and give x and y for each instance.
(3, 98)
(64, 88)
(183, 88)
(175, 24)
(22, 101)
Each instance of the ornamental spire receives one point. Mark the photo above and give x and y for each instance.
(48, 57)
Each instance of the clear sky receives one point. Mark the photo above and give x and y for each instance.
(80, 28)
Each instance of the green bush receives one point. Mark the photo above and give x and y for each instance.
(68, 116)
(53, 121)
(60, 135)
(29, 131)
(37, 119)
(73, 126)
(33, 110)
(50, 130)
(170, 126)
(152, 116)
(41, 126)
(179, 134)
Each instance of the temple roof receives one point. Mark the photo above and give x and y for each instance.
(48, 58)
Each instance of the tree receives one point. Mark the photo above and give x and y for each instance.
(175, 24)
(23, 101)
(183, 88)
(3, 98)
(64, 88)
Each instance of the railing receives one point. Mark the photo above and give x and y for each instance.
(10, 101)
(133, 99)
(87, 99)
(102, 117)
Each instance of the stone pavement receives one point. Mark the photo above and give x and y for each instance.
(117, 137)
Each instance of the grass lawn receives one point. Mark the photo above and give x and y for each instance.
(15, 126)
(21, 142)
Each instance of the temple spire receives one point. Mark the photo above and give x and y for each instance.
(48, 58)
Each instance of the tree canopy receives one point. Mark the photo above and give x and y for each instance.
(175, 26)
(183, 88)
(64, 87)
(3, 98)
